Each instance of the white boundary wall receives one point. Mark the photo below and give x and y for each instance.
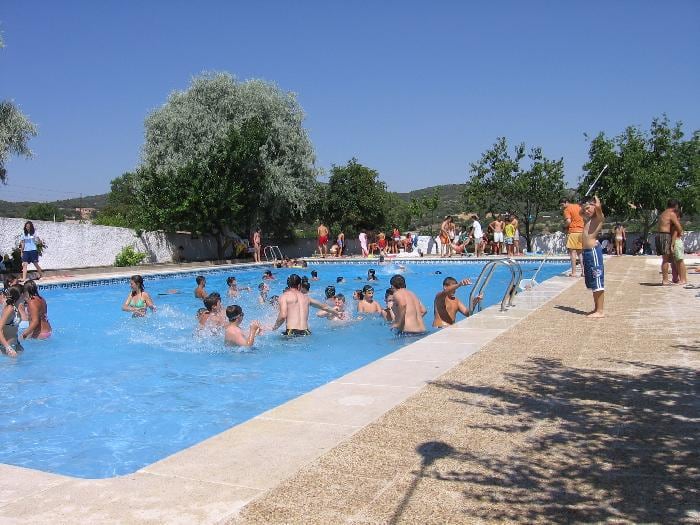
(72, 245)
(556, 242)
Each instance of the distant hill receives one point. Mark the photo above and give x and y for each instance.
(19, 209)
(451, 199)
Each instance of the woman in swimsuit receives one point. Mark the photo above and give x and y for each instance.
(620, 237)
(138, 300)
(9, 322)
(39, 327)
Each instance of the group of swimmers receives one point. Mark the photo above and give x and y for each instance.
(403, 310)
(24, 315)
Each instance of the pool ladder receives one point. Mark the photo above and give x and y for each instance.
(272, 253)
(516, 275)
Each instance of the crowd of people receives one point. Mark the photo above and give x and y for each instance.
(402, 309)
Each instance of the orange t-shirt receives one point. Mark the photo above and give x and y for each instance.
(573, 212)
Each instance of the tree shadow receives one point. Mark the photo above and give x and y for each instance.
(603, 446)
(691, 347)
(571, 309)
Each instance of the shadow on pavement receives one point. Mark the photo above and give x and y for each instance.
(601, 445)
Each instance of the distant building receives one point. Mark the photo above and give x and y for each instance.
(86, 214)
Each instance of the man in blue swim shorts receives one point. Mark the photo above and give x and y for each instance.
(593, 269)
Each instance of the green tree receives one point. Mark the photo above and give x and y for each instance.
(15, 132)
(225, 156)
(500, 184)
(397, 212)
(355, 198)
(44, 212)
(430, 204)
(645, 169)
(415, 208)
(122, 207)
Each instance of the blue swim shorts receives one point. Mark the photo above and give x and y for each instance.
(593, 269)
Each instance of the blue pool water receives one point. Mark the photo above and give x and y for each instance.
(109, 394)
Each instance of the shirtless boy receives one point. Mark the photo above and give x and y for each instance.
(200, 292)
(213, 315)
(408, 310)
(593, 269)
(294, 309)
(447, 305)
(367, 304)
(668, 222)
(497, 228)
(234, 334)
(323, 239)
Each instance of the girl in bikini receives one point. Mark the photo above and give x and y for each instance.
(138, 300)
(39, 327)
(9, 322)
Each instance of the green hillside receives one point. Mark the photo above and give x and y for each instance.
(19, 209)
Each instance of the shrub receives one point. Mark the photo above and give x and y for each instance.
(129, 257)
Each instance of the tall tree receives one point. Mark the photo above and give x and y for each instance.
(499, 183)
(226, 155)
(430, 204)
(122, 207)
(645, 169)
(15, 132)
(355, 198)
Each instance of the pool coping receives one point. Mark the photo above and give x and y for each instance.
(223, 473)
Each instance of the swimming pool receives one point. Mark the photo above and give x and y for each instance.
(109, 394)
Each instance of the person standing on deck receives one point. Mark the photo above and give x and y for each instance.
(323, 239)
(574, 227)
(257, 244)
(593, 268)
(668, 221)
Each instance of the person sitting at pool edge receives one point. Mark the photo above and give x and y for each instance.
(294, 309)
(138, 299)
(200, 292)
(234, 334)
(408, 310)
(446, 304)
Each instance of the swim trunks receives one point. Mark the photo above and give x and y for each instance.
(663, 243)
(678, 250)
(497, 236)
(294, 332)
(509, 240)
(323, 240)
(593, 269)
(574, 241)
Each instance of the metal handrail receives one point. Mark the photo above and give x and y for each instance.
(274, 250)
(516, 274)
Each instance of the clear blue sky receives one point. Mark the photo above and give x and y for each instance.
(415, 90)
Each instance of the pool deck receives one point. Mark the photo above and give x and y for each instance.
(536, 414)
